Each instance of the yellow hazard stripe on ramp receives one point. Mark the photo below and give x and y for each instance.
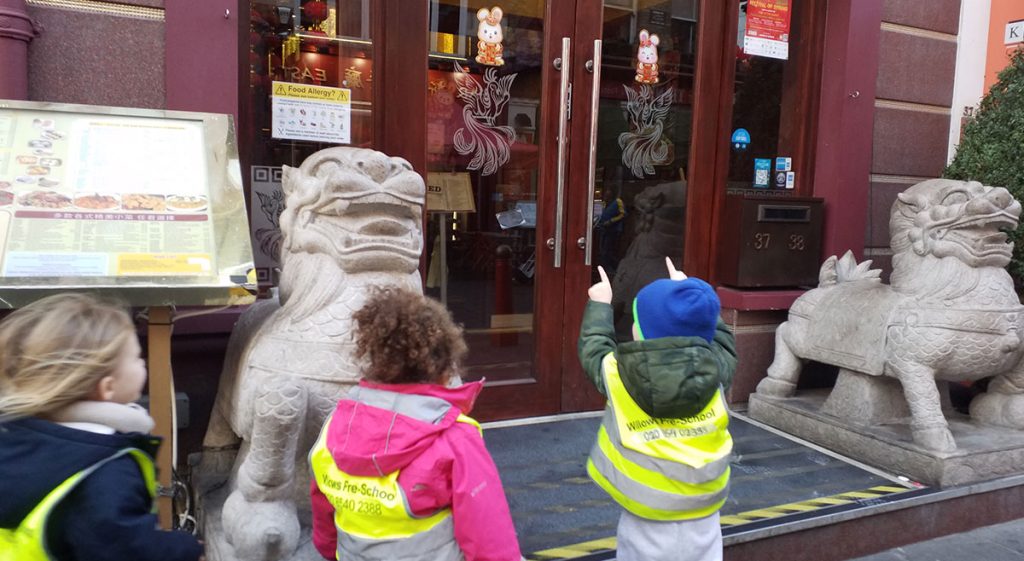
(811, 504)
(608, 544)
(574, 551)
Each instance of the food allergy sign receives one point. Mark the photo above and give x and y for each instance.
(314, 113)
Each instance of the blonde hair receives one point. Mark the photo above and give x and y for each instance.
(55, 351)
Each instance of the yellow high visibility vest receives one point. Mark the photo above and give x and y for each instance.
(661, 469)
(368, 509)
(27, 542)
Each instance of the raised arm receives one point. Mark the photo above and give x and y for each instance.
(597, 331)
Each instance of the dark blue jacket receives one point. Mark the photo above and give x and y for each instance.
(108, 516)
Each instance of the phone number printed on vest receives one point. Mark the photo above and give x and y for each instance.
(663, 428)
(358, 498)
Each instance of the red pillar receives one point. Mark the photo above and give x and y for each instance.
(16, 31)
(503, 294)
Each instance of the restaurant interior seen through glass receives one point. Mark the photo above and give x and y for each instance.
(555, 140)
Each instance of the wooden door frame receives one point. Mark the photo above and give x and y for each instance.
(799, 125)
(505, 400)
(712, 116)
(713, 73)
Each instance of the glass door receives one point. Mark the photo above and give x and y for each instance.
(557, 140)
(497, 154)
(636, 84)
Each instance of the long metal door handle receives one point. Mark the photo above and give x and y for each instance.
(564, 93)
(595, 100)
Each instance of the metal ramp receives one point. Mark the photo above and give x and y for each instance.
(776, 481)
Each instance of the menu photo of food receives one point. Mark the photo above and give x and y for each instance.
(6, 197)
(138, 201)
(186, 203)
(95, 201)
(44, 199)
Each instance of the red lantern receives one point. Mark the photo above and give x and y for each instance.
(315, 11)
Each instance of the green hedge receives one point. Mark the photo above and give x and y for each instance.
(992, 149)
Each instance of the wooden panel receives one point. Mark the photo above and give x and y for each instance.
(712, 117)
(400, 81)
(578, 393)
(916, 69)
(845, 117)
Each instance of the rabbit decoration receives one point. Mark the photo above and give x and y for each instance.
(489, 48)
(647, 58)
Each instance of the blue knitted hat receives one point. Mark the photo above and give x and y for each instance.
(672, 308)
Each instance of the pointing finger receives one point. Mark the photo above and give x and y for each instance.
(604, 276)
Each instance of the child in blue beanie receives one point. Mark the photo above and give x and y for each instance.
(663, 448)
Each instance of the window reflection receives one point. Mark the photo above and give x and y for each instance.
(644, 130)
(317, 42)
(483, 106)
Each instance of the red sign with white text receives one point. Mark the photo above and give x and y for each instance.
(767, 28)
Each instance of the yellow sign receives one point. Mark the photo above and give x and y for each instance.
(307, 91)
(154, 264)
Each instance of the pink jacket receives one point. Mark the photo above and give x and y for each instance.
(443, 463)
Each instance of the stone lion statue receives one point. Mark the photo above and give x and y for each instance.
(353, 218)
(950, 314)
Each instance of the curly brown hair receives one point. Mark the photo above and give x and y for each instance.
(407, 338)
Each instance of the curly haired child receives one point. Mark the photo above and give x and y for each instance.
(401, 471)
(76, 462)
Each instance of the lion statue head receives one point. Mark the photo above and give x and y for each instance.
(347, 211)
(961, 219)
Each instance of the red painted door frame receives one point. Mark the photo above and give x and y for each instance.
(842, 168)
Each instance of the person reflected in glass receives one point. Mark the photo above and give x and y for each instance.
(610, 226)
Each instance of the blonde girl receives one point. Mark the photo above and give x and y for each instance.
(76, 459)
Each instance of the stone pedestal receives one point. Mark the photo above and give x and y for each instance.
(983, 452)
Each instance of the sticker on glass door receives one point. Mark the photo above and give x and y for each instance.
(482, 136)
(645, 145)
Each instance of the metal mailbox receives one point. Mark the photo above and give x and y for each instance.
(770, 242)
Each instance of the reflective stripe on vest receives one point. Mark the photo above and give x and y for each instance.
(27, 542)
(372, 514)
(661, 469)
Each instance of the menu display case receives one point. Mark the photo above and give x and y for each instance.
(144, 204)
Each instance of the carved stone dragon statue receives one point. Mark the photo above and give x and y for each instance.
(950, 314)
(353, 219)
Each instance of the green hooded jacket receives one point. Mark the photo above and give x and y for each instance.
(668, 377)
